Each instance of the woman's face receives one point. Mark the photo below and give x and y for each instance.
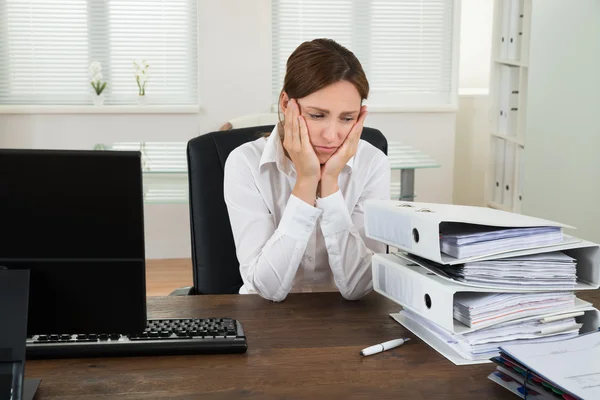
(329, 113)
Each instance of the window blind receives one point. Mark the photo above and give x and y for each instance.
(406, 47)
(157, 157)
(164, 168)
(46, 48)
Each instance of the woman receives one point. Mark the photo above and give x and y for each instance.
(295, 197)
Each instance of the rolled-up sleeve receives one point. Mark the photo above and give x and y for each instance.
(348, 248)
(269, 254)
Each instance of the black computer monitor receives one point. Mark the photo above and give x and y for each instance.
(74, 219)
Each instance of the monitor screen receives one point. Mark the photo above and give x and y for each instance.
(74, 218)
(70, 204)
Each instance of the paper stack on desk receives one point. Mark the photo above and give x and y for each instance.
(473, 279)
(468, 240)
(550, 270)
(566, 370)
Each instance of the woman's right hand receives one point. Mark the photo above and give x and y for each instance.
(297, 144)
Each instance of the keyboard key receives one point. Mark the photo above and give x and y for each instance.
(53, 337)
(65, 337)
(114, 336)
(43, 337)
(93, 336)
(81, 336)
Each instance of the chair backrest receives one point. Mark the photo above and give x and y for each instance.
(214, 260)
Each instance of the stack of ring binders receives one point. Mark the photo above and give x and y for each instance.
(472, 279)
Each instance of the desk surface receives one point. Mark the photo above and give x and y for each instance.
(306, 347)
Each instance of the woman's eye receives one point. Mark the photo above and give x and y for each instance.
(316, 116)
(348, 119)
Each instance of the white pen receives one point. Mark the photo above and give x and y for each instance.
(378, 348)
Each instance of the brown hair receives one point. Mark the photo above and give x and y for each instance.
(319, 63)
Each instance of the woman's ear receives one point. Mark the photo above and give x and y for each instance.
(283, 101)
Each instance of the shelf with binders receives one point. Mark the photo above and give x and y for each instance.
(510, 25)
(508, 102)
(506, 159)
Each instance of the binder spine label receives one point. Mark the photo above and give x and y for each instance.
(391, 283)
(392, 228)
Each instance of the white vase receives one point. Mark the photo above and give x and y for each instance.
(98, 99)
(142, 99)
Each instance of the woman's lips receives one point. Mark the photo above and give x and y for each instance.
(325, 149)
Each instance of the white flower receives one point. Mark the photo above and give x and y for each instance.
(97, 77)
(141, 75)
(141, 68)
(95, 69)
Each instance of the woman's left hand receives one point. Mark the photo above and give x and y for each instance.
(332, 168)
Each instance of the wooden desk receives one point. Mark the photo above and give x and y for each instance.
(304, 348)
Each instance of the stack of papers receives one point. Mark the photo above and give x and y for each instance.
(553, 269)
(469, 240)
(485, 309)
(569, 369)
(512, 381)
(483, 344)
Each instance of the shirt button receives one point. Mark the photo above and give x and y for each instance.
(310, 259)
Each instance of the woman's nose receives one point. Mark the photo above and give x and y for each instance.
(329, 133)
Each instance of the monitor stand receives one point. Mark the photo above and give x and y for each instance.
(30, 386)
(14, 300)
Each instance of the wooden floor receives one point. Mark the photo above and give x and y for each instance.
(164, 276)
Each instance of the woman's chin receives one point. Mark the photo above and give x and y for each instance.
(323, 159)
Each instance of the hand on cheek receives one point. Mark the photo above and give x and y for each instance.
(330, 171)
(302, 154)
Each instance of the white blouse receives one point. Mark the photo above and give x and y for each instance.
(284, 244)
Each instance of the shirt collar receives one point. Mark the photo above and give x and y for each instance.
(274, 153)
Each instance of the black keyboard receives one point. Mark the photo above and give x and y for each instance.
(161, 337)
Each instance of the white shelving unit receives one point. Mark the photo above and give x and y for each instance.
(508, 101)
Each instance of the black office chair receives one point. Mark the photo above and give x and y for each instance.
(215, 265)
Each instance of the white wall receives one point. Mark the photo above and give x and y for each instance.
(235, 79)
(472, 125)
(471, 153)
(562, 166)
(475, 44)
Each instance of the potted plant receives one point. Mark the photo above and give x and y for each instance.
(95, 71)
(141, 78)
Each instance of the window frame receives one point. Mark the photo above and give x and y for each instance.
(107, 108)
(451, 107)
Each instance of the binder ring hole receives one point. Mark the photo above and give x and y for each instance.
(424, 210)
(404, 205)
(427, 301)
(507, 187)
(415, 234)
